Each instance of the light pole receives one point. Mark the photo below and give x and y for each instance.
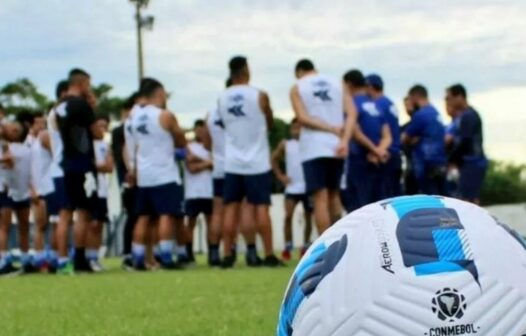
(141, 22)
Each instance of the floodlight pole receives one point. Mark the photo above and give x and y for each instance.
(138, 20)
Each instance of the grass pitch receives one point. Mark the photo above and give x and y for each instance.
(197, 301)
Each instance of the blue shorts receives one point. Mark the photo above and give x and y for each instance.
(5, 201)
(18, 205)
(166, 199)
(322, 173)
(195, 207)
(364, 183)
(99, 206)
(51, 204)
(60, 197)
(256, 188)
(303, 198)
(472, 176)
(218, 187)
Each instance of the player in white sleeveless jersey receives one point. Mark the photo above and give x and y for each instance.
(41, 189)
(156, 134)
(294, 183)
(327, 115)
(198, 191)
(246, 115)
(99, 195)
(19, 187)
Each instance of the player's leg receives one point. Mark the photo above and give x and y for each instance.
(40, 217)
(144, 212)
(307, 229)
(216, 222)
(6, 265)
(249, 229)
(234, 192)
(166, 204)
(259, 188)
(192, 210)
(128, 202)
(290, 204)
(315, 172)
(22, 211)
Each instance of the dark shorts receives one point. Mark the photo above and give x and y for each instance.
(195, 207)
(219, 187)
(60, 197)
(99, 206)
(51, 204)
(166, 199)
(76, 197)
(303, 198)
(18, 205)
(5, 201)
(322, 173)
(364, 183)
(256, 188)
(472, 176)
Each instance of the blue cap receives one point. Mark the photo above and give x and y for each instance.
(375, 81)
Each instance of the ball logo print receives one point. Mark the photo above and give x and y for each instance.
(449, 304)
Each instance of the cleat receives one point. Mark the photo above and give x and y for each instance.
(272, 261)
(127, 264)
(96, 266)
(66, 269)
(253, 260)
(285, 255)
(228, 262)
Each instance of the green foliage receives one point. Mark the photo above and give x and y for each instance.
(505, 183)
(106, 104)
(22, 95)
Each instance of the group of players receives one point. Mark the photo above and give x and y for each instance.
(344, 151)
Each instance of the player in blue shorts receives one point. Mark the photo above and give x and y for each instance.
(369, 148)
(467, 151)
(155, 133)
(392, 169)
(425, 134)
(294, 183)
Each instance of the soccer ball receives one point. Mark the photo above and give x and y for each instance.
(418, 265)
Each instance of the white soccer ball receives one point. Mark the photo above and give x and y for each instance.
(418, 265)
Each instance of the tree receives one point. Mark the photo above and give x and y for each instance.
(22, 95)
(504, 184)
(107, 105)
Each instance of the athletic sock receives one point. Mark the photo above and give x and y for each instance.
(213, 251)
(80, 256)
(181, 252)
(251, 249)
(166, 248)
(40, 258)
(190, 250)
(288, 246)
(92, 254)
(138, 253)
(52, 258)
(62, 262)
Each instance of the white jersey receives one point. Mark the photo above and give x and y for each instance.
(129, 141)
(155, 149)
(323, 100)
(4, 173)
(246, 141)
(19, 182)
(101, 149)
(217, 133)
(294, 168)
(198, 185)
(57, 146)
(41, 165)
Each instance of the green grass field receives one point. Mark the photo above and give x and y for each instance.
(197, 301)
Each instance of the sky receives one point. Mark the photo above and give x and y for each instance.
(479, 43)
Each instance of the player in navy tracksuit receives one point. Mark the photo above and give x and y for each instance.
(425, 134)
(368, 150)
(392, 169)
(467, 151)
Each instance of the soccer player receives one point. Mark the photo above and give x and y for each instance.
(74, 118)
(198, 191)
(294, 183)
(127, 187)
(327, 115)
(467, 151)
(247, 115)
(156, 134)
(99, 195)
(369, 146)
(6, 161)
(410, 184)
(41, 190)
(392, 169)
(425, 134)
(19, 187)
